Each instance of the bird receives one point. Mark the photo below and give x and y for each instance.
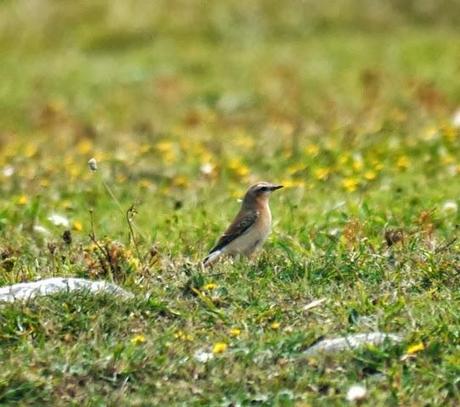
(250, 228)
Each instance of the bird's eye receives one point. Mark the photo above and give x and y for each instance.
(263, 189)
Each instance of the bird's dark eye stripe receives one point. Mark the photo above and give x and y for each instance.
(263, 189)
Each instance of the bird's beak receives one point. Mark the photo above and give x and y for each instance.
(275, 187)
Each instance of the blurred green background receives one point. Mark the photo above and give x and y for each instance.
(148, 63)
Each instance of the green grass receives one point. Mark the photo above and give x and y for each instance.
(350, 106)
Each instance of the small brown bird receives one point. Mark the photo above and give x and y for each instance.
(250, 228)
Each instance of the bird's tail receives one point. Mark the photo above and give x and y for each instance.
(211, 258)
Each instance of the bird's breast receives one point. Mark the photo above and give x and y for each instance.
(253, 238)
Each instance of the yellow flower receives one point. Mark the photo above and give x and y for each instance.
(144, 183)
(235, 332)
(343, 159)
(44, 183)
(180, 181)
(449, 133)
(275, 325)
(322, 173)
(183, 336)
(289, 183)
(430, 133)
(145, 148)
(72, 167)
(23, 200)
(167, 151)
(312, 150)
(134, 263)
(240, 169)
(244, 140)
(378, 166)
(30, 150)
(66, 204)
(358, 165)
(85, 146)
(219, 347)
(447, 159)
(236, 194)
(138, 339)
(164, 146)
(292, 169)
(77, 225)
(370, 175)
(350, 184)
(415, 348)
(403, 162)
(120, 178)
(209, 286)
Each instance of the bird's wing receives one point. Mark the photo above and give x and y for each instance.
(239, 226)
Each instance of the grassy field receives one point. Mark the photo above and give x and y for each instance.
(351, 105)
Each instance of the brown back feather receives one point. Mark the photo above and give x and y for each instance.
(243, 221)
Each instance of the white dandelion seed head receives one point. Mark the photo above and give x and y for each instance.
(456, 119)
(335, 232)
(202, 356)
(59, 220)
(450, 207)
(92, 164)
(8, 171)
(207, 169)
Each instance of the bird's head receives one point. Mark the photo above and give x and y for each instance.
(259, 192)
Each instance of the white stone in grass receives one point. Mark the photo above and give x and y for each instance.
(27, 291)
(357, 392)
(351, 342)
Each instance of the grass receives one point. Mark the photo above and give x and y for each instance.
(184, 104)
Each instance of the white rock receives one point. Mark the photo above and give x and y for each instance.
(356, 392)
(350, 342)
(27, 291)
